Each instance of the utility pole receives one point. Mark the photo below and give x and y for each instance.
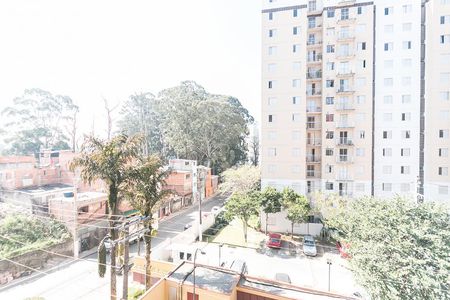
(329, 273)
(198, 197)
(126, 257)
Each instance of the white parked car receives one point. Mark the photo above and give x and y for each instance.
(309, 246)
(215, 210)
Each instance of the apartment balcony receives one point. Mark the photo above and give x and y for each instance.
(314, 27)
(313, 158)
(344, 106)
(344, 159)
(345, 90)
(313, 92)
(312, 174)
(313, 59)
(344, 141)
(345, 37)
(314, 75)
(346, 20)
(313, 43)
(345, 55)
(344, 177)
(345, 74)
(345, 124)
(313, 142)
(313, 110)
(313, 125)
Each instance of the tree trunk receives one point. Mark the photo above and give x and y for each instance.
(267, 219)
(245, 231)
(112, 233)
(148, 251)
(292, 230)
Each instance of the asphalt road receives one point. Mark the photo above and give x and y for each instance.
(79, 279)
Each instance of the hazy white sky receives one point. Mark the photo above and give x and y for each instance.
(87, 49)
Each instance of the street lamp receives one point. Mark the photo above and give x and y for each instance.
(195, 257)
(329, 272)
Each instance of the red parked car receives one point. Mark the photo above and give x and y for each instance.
(343, 249)
(274, 240)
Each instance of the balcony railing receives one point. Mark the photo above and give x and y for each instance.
(313, 125)
(312, 174)
(313, 141)
(344, 177)
(344, 159)
(314, 25)
(314, 74)
(313, 109)
(346, 19)
(313, 158)
(314, 92)
(344, 35)
(344, 106)
(315, 58)
(346, 141)
(313, 42)
(345, 124)
(343, 90)
(347, 73)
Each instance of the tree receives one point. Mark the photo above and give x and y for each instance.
(144, 189)
(108, 161)
(270, 202)
(243, 206)
(398, 248)
(39, 119)
(297, 207)
(242, 179)
(140, 114)
(208, 128)
(254, 148)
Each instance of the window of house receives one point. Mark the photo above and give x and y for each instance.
(272, 32)
(443, 189)
(361, 99)
(387, 134)
(388, 81)
(406, 116)
(296, 65)
(388, 64)
(407, 8)
(388, 11)
(360, 151)
(330, 48)
(330, 13)
(360, 28)
(387, 117)
(295, 13)
(406, 62)
(404, 169)
(329, 100)
(272, 50)
(388, 46)
(406, 99)
(272, 169)
(83, 209)
(295, 117)
(272, 135)
(388, 99)
(329, 152)
(443, 171)
(296, 100)
(330, 83)
(271, 118)
(405, 187)
(389, 28)
(344, 14)
(406, 26)
(272, 151)
(360, 10)
(387, 169)
(296, 83)
(272, 101)
(296, 30)
(445, 39)
(362, 134)
(444, 96)
(405, 152)
(329, 117)
(329, 135)
(406, 134)
(443, 152)
(406, 81)
(445, 78)
(361, 46)
(407, 45)
(271, 68)
(387, 151)
(387, 187)
(296, 135)
(360, 82)
(329, 186)
(271, 84)
(330, 66)
(296, 152)
(295, 48)
(445, 19)
(270, 15)
(330, 31)
(443, 133)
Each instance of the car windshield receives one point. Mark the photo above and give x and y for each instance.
(309, 243)
(275, 241)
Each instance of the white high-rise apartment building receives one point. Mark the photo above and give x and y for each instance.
(356, 96)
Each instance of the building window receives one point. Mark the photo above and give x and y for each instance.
(361, 46)
(406, 62)
(330, 66)
(329, 186)
(360, 82)
(361, 99)
(295, 13)
(296, 117)
(387, 117)
(329, 135)
(329, 152)
(387, 169)
(296, 135)
(388, 64)
(272, 32)
(270, 15)
(387, 151)
(271, 68)
(295, 48)
(445, 96)
(406, 134)
(296, 65)
(445, 19)
(296, 152)
(443, 133)
(406, 116)
(407, 8)
(296, 30)
(387, 187)
(330, 83)
(404, 169)
(360, 151)
(330, 48)
(272, 135)
(406, 26)
(443, 152)
(360, 10)
(445, 78)
(405, 152)
(271, 118)
(329, 100)
(329, 117)
(388, 46)
(295, 83)
(406, 99)
(443, 171)
(272, 101)
(387, 99)
(443, 189)
(445, 39)
(330, 13)
(296, 100)
(272, 152)
(388, 82)
(362, 134)
(272, 50)
(389, 28)
(296, 169)
(388, 11)
(407, 45)
(271, 169)
(406, 81)
(405, 187)
(344, 14)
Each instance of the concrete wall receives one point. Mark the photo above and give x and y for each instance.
(279, 223)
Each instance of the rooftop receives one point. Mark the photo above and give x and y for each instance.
(86, 196)
(45, 188)
(206, 278)
(16, 159)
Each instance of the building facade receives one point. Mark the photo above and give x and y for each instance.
(355, 97)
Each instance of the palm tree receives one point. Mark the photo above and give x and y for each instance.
(107, 161)
(144, 189)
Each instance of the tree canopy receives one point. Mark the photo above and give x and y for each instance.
(399, 249)
(242, 179)
(242, 206)
(39, 119)
(297, 207)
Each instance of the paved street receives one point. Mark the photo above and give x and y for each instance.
(80, 280)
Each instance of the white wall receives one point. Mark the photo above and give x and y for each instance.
(279, 223)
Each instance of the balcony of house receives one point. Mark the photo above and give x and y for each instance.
(344, 177)
(313, 109)
(345, 90)
(314, 92)
(345, 55)
(310, 158)
(344, 106)
(344, 141)
(345, 20)
(313, 142)
(345, 74)
(314, 75)
(314, 59)
(313, 43)
(345, 36)
(344, 159)
(313, 125)
(314, 26)
(312, 174)
(314, 9)
(345, 124)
